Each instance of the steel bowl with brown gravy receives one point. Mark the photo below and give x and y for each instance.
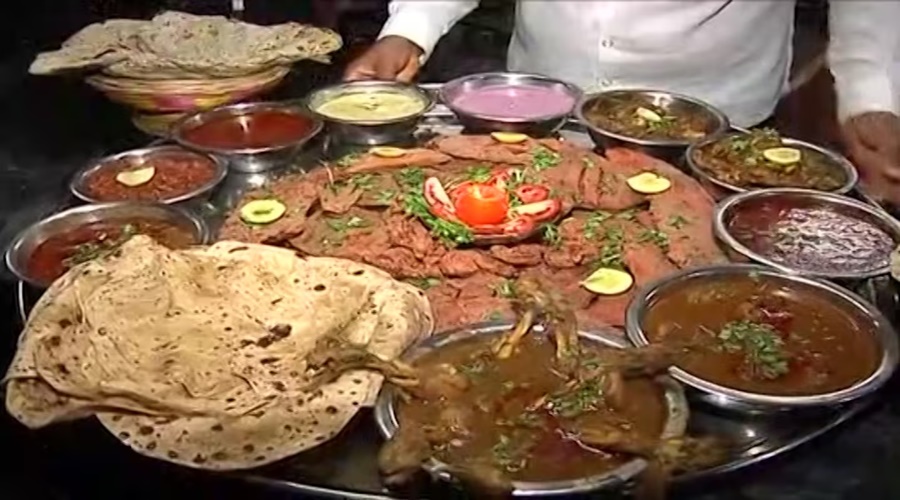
(534, 408)
(762, 158)
(759, 339)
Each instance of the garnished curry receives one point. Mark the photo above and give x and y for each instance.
(761, 159)
(52, 258)
(764, 335)
(637, 117)
(524, 407)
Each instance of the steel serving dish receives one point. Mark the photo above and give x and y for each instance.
(669, 149)
(676, 425)
(27, 241)
(748, 402)
(716, 185)
(78, 184)
(726, 209)
(249, 160)
(370, 132)
(478, 122)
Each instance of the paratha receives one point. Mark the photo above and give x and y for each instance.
(175, 45)
(197, 356)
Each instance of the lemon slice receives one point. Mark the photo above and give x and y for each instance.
(388, 151)
(782, 156)
(134, 178)
(509, 137)
(262, 211)
(648, 114)
(606, 281)
(648, 183)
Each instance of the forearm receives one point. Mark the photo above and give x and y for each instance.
(424, 22)
(863, 48)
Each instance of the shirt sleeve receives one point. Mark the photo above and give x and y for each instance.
(864, 46)
(424, 22)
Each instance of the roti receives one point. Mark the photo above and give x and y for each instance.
(197, 356)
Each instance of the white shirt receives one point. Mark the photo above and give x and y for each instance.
(734, 54)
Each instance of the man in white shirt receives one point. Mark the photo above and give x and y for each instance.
(734, 54)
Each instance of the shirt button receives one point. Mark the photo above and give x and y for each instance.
(607, 43)
(606, 83)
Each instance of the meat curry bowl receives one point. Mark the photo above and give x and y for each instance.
(532, 408)
(807, 232)
(164, 174)
(250, 137)
(659, 123)
(761, 158)
(47, 249)
(760, 340)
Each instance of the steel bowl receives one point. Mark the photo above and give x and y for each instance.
(754, 403)
(857, 209)
(27, 241)
(370, 132)
(386, 416)
(482, 123)
(668, 149)
(709, 181)
(249, 160)
(78, 184)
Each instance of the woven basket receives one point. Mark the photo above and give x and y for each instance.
(178, 96)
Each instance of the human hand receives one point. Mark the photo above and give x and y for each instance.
(872, 142)
(391, 58)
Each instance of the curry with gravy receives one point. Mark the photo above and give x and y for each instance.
(764, 335)
(637, 117)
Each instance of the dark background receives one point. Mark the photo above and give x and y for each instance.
(52, 125)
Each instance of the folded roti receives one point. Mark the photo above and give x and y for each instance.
(197, 356)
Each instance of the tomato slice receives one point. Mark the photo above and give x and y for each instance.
(532, 193)
(500, 179)
(436, 196)
(539, 211)
(481, 204)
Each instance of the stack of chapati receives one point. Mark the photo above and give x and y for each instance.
(197, 356)
(175, 45)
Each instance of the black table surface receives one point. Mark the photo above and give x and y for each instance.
(51, 126)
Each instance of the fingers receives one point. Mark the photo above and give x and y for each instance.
(359, 70)
(409, 71)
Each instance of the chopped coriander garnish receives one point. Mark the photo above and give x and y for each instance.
(543, 158)
(479, 173)
(761, 344)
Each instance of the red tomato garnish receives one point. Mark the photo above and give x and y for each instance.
(436, 196)
(500, 179)
(539, 211)
(514, 227)
(532, 193)
(481, 204)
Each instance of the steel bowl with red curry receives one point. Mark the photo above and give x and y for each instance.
(166, 174)
(764, 334)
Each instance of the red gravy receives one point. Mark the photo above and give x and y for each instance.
(176, 174)
(53, 257)
(808, 236)
(258, 129)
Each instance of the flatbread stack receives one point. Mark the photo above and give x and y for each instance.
(198, 356)
(175, 45)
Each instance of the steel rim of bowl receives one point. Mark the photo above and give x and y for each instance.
(724, 208)
(885, 335)
(676, 424)
(837, 159)
(12, 257)
(510, 78)
(177, 129)
(78, 184)
(722, 122)
(370, 86)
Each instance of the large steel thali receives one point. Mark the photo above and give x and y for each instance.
(346, 466)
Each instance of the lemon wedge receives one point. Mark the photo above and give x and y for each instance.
(648, 183)
(509, 137)
(387, 151)
(648, 114)
(134, 178)
(782, 156)
(262, 211)
(606, 281)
